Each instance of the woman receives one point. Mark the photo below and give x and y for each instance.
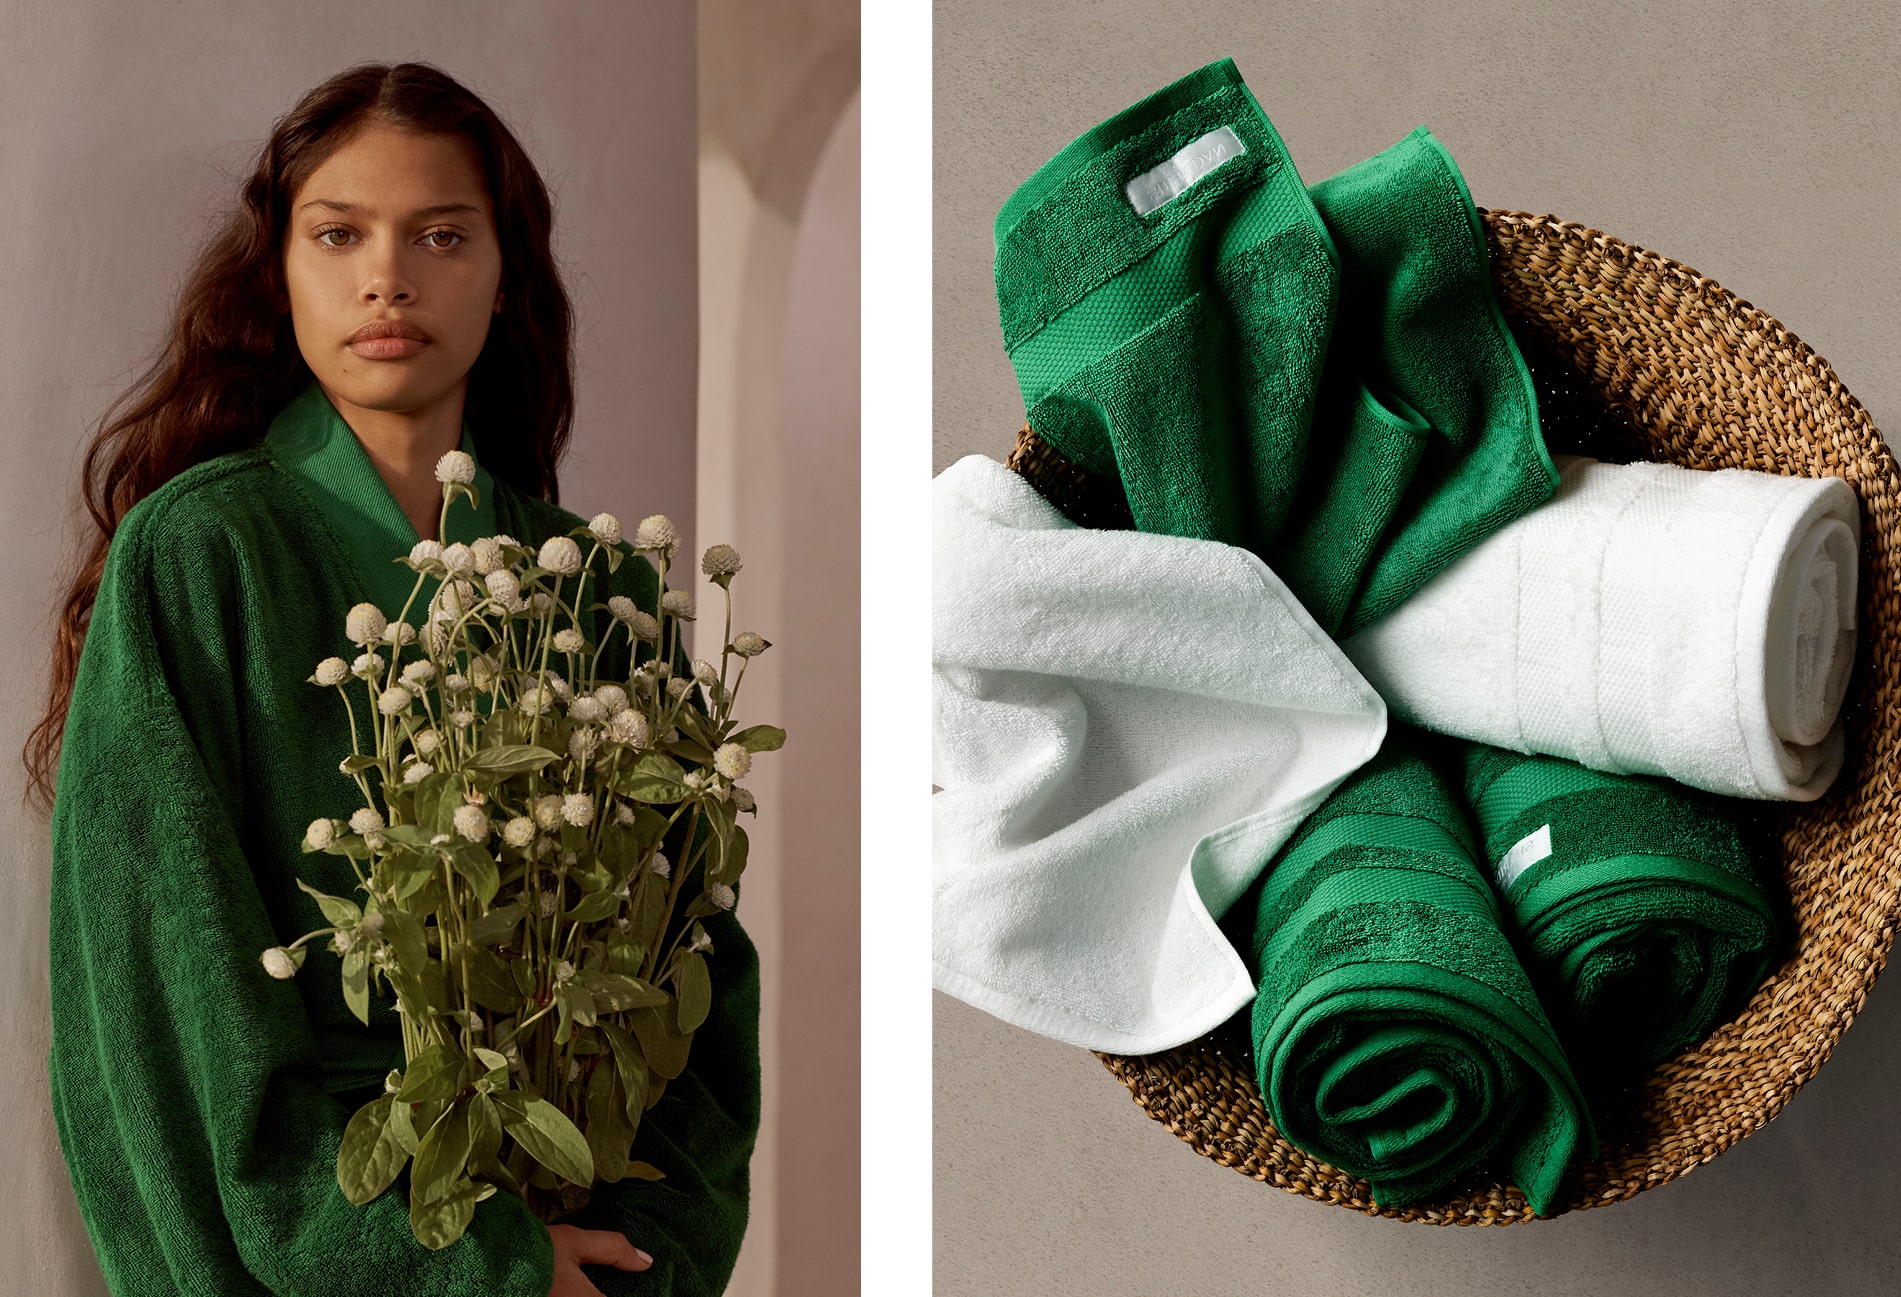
(385, 293)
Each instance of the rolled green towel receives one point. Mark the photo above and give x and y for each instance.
(1395, 1034)
(1320, 374)
(1637, 904)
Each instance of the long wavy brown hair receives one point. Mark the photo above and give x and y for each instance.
(230, 361)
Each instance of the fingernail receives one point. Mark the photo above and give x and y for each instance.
(643, 1256)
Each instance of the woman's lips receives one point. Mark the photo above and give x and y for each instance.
(388, 348)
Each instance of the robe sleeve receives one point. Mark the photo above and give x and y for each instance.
(201, 1144)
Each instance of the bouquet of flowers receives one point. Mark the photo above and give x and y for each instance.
(546, 845)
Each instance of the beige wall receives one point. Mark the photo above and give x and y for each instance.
(778, 475)
(1751, 144)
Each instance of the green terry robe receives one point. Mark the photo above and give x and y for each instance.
(200, 1102)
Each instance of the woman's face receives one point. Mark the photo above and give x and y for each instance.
(393, 226)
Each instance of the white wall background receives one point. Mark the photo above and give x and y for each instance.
(1755, 144)
(124, 129)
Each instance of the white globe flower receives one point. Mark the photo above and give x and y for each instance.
(373, 924)
(418, 671)
(611, 697)
(427, 741)
(583, 744)
(399, 633)
(368, 664)
(694, 779)
(677, 688)
(456, 466)
(423, 551)
(606, 527)
(722, 895)
(563, 971)
(417, 772)
(629, 727)
(366, 820)
(364, 624)
(542, 601)
(503, 586)
(659, 865)
(462, 718)
(321, 833)
(537, 701)
(719, 560)
(743, 799)
(519, 832)
(459, 559)
(455, 683)
(644, 625)
(332, 671)
(394, 701)
(568, 640)
(656, 532)
(679, 603)
(578, 809)
(472, 823)
(586, 709)
(732, 760)
(549, 904)
(749, 645)
(278, 963)
(488, 555)
(343, 940)
(547, 810)
(705, 672)
(560, 555)
(620, 607)
(700, 940)
(624, 815)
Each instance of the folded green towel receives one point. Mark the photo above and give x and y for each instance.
(1395, 1034)
(1636, 902)
(1320, 374)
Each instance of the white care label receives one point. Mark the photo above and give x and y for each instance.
(1190, 163)
(1525, 853)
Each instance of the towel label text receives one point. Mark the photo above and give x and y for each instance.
(1525, 853)
(1190, 163)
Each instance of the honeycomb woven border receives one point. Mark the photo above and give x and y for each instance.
(1705, 380)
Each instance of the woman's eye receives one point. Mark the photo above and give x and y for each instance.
(323, 237)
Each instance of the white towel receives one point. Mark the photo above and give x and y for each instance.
(1648, 619)
(1127, 726)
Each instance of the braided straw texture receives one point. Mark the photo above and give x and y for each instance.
(1705, 380)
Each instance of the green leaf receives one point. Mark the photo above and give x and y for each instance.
(692, 751)
(608, 1135)
(615, 557)
(485, 1132)
(442, 1157)
(759, 738)
(644, 1171)
(695, 986)
(335, 908)
(372, 1154)
(491, 985)
(356, 980)
(405, 935)
(545, 1131)
(648, 827)
(402, 1127)
(438, 1222)
(492, 1062)
(406, 835)
(693, 726)
(593, 907)
(437, 796)
(616, 992)
(664, 1048)
(633, 1070)
(358, 763)
(735, 863)
(655, 777)
(436, 1073)
(496, 926)
(408, 872)
(580, 1002)
(477, 866)
(513, 759)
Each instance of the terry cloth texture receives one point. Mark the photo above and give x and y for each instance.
(1126, 727)
(1321, 375)
(199, 1101)
(1636, 904)
(1651, 619)
(1396, 1035)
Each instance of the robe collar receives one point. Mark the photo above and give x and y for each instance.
(310, 440)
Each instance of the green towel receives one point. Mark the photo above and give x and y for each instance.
(1395, 1034)
(1637, 904)
(1320, 375)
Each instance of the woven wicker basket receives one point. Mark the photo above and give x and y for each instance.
(1693, 376)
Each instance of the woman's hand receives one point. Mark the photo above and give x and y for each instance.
(574, 1245)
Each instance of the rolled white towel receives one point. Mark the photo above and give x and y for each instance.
(1126, 727)
(1648, 619)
